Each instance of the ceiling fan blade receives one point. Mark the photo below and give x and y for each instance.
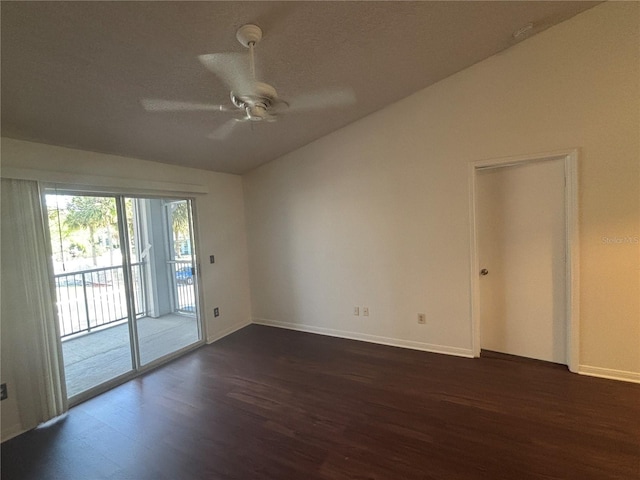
(224, 130)
(234, 69)
(159, 105)
(329, 98)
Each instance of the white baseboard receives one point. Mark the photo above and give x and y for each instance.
(228, 331)
(394, 342)
(609, 373)
(13, 431)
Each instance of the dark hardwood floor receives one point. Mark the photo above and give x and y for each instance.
(266, 403)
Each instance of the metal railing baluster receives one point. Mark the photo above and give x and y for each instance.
(86, 304)
(103, 302)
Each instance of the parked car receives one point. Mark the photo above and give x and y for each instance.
(184, 275)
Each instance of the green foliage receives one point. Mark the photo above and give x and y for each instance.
(180, 218)
(91, 213)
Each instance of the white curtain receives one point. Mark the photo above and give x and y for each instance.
(31, 352)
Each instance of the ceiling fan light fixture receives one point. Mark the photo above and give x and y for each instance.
(256, 112)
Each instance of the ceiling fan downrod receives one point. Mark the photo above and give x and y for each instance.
(248, 36)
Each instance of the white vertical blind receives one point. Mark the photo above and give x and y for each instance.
(31, 347)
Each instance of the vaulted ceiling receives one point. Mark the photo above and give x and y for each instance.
(75, 73)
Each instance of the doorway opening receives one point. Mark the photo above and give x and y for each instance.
(509, 284)
(126, 285)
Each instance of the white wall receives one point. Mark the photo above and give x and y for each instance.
(377, 213)
(221, 226)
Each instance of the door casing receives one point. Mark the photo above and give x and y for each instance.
(570, 160)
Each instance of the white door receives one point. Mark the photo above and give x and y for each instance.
(521, 248)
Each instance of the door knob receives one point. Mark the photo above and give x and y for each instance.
(484, 272)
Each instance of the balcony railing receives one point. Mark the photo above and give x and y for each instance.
(90, 299)
(184, 299)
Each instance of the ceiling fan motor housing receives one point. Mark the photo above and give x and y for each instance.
(257, 103)
(256, 112)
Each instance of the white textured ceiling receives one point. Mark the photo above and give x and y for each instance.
(73, 73)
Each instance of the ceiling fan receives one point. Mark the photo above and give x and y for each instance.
(251, 100)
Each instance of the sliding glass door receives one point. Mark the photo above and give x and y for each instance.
(90, 289)
(125, 281)
(160, 240)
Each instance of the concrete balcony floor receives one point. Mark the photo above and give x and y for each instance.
(99, 356)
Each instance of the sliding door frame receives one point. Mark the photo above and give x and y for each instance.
(123, 233)
(137, 368)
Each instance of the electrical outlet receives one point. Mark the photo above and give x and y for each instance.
(3, 391)
(422, 318)
(216, 312)
(212, 259)
(365, 311)
(356, 311)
